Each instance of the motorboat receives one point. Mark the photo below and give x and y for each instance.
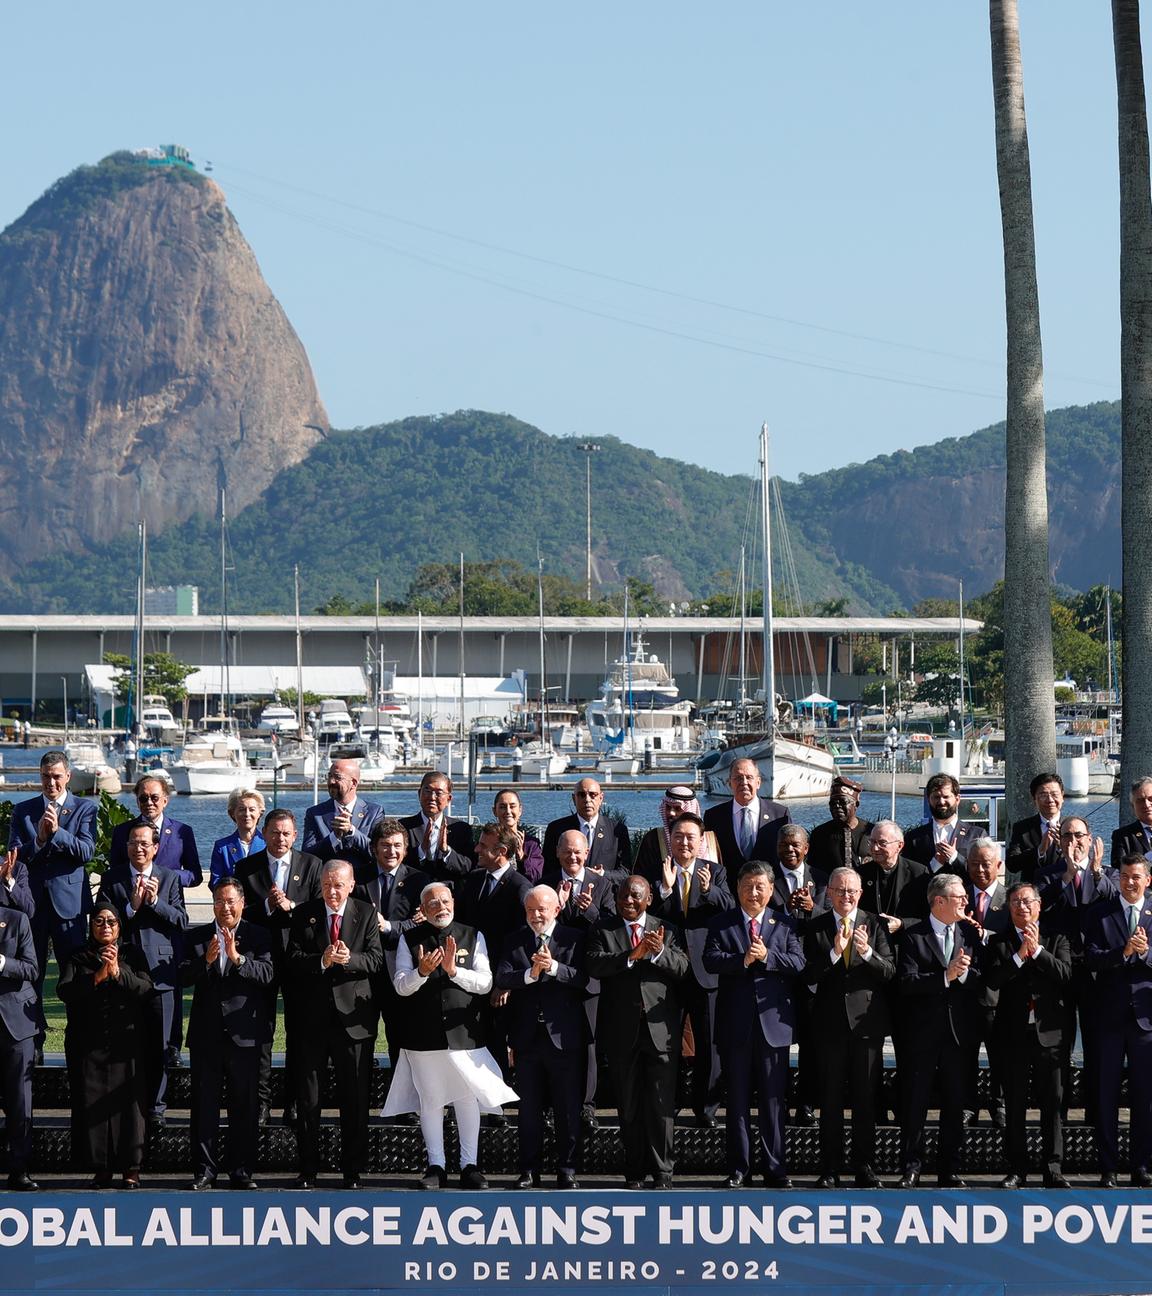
(278, 719)
(212, 760)
(157, 721)
(334, 723)
(89, 770)
(639, 709)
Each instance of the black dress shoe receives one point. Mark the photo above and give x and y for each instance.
(38, 1057)
(304, 1181)
(909, 1179)
(172, 1056)
(242, 1181)
(434, 1177)
(1141, 1178)
(1054, 1179)
(950, 1181)
(866, 1178)
(131, 1180)
(662, 1181)
(781, 1183)
(804, 1116)
(1107, 1180)
(265, 1115)
(157, 1121)
(566, 1179)
(999, 1116)
(735, 1179)
(529, 1179)
(1013, 1181)
(967, 1118)
(22, 1181)
(494, 1120)
(827, 1182)
(289, 1117)
(588, 1117)
(705, 1120)
(203, 1181)
(352, 1181)
(634, 1184)
(102, 1179)
(470, 1177)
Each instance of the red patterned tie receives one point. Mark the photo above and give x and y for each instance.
(335, 928)
(753, 930)
(636, 937)
(981, 906)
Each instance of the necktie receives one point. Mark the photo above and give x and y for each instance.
(981, 906)
(1133, 918)
(753, 930)
(542, 941)
(847, 955)
(223, 960)
(488, 887)
(948, 943)
(849, 853)
(749, 833)
(385, 891)
(335, 928)
(685, 887)
(588, 833)
(1078, 880)
(636, 934)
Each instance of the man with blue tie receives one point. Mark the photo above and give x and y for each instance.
(609, 848)
(339, 828)
(747, 826)
(756, 956)
(54, 836)
(1116, 948)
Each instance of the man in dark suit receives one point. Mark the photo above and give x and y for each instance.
(177, 850)
(988, 908)
(941, 843)
(639, 964)
(276, 880)
(849, 964)
(441, 846)
(393, 889)
(1117, 949)
(19, 1011)
(1035, 840)
(54, 836)
(609, 846)
(690, 893)
(1030, 975)
(151, 901)
(15, 891)
(938, 977)
(894, 886)
(747, 826)
(1135, 838)
(842, 840)
(757, 957)
(229, 965)
(333, 951)
(543, 973)
(338, 828)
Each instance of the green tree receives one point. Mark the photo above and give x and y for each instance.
(163, 674)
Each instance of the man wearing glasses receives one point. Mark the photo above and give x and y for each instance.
(938, 981)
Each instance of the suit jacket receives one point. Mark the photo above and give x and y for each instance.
(1065, 909)
(557, 1001)
(455, 862)
(996, 917)
(1038, 986)
(817, 882)
(19, 894)
(233, 1004)
(692, 927)
(155, 929)
(846, 999)
(825, 844)
(907, 884)
(920, 846)
(636, 994)
(1128, 839)
(1023, 854)
(603, 903)
(771, 817)
(610, 849)
(177, 850)
(339, 994)
(318, 838)
(935, 1009)
(1123, 985)
(56, 870)
(19, 1004)
(756, 996)
(255, 876)
(498, 915)
(228, 853)
(403, 899)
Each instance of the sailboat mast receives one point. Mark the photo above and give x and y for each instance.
(299, 654)
(540, 608)
(462, 728)
(743, 636)
(225, 677)
(135, 725)
(767, 761)
(963, 690)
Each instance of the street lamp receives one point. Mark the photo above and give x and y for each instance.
(891, 743)
(590, 448)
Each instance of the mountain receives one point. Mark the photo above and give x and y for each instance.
(380, 501)
(142, 358)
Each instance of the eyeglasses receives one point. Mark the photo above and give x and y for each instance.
(150, 796)
(1075, 836)
(105, 922)
(844, 891)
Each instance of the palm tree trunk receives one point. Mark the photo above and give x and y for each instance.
(1029, 713)
(1135, 389)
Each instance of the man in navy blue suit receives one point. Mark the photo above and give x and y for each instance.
(54, 836)
(177, 850)
(747, 826)
(151, 901)
(756, 955)
(1117, 950)
(18, 1018)
(339, 828)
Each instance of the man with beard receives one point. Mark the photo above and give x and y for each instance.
(942, 843)
(443, 967)
(842, 841)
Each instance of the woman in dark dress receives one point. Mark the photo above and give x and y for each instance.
(105, 988)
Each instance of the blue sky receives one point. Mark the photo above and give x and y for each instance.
(658, 221)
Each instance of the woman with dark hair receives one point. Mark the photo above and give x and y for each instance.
(105, 988)
(528, 857)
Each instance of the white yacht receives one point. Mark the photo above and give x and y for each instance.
(212, 760)
(89, 771)
(640, 709)
(278, 719)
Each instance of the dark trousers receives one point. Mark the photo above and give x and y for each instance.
(352, 1060)
(1115, 1043)
(855, 1061)
(644, 1078)
(235, 1070)
(545, 1073)
(923, 1061)
(591, 1069)
(700, 1007)
(755, 1068)
(1084, 1010)
(981, 1027)
(16, 1090)
(1026, 1058)
(158, 1010)
(67, 935)
(264, 1080)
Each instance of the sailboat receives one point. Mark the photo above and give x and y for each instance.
(788, 767)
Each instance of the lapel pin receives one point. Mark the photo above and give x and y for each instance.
(312, 921)
(771, 922)
(295, 877)
(3, 925)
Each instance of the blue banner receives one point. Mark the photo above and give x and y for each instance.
(672, 1242)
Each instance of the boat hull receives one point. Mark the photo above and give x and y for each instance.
(798, 770)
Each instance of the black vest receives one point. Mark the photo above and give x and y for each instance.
(440, 1015)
